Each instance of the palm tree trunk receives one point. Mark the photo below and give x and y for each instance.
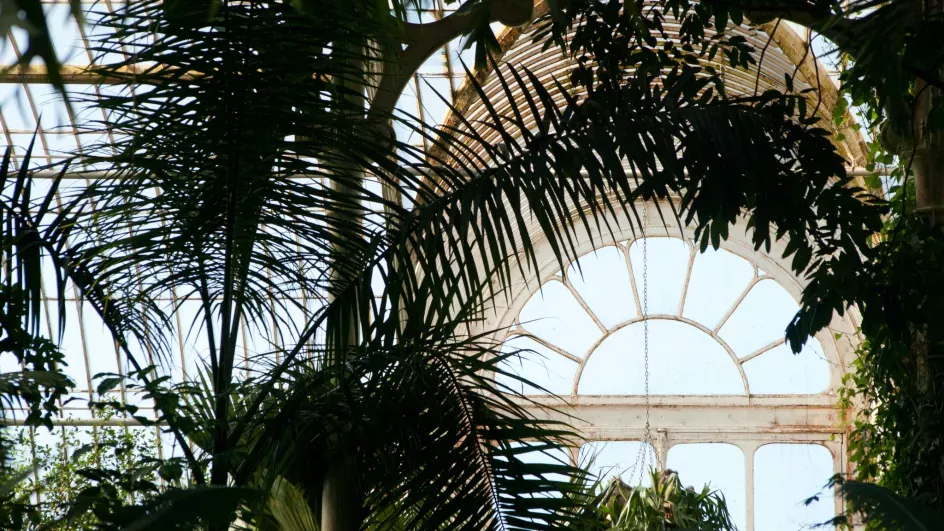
(928, 168)
(928, 164)
(340, 498)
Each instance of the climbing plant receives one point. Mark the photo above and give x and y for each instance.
(73, 469)
(897, 437)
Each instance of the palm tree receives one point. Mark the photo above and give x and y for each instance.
(250, 197)
(40, 386)
(251, 172)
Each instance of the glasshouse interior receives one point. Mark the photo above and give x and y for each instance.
(472, 264)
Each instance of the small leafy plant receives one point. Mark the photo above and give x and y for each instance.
(667, 504)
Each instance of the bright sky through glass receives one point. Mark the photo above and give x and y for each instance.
(713, 316)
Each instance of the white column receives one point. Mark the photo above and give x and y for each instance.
(749, 448)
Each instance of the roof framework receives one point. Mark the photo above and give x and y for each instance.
(28, 103)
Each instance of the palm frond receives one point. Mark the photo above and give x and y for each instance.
(432, 442)
(290, 509)
(885, 509)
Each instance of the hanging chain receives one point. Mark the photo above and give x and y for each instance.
(642, 459)
(645, 321)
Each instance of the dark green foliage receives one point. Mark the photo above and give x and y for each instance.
(664, 111)
(262, 204)
(897, 438)
(39, 387)
(112, 480)
(83, 480)
(880, 508)
(429, 435)
(890, 56)
(15, 510)
(175, 509)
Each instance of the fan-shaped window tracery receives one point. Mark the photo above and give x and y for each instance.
(715, 326)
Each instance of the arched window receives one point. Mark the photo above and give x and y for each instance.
(728, 402)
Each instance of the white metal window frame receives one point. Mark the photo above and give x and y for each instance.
(746, 421)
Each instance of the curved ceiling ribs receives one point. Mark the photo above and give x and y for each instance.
(786, 53)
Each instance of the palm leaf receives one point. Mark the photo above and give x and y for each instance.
(290, 508)
(38, 38)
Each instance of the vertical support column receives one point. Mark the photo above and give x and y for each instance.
(662, 448)
(748, 448)
(840, 458)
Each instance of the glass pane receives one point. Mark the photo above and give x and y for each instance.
(72, 348)
(720, 466)
(169, 446)
(554, 315)
(54, 113)
(9, 363)
(780, 371)
(102, 357)
(541, 366)
(193, 330)
(434, 93)
(784, 476)
(16, 108)
(667, 260)
(760, 319)
(603, 281)
(683, 360)
(718, 278)
(64, 33)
